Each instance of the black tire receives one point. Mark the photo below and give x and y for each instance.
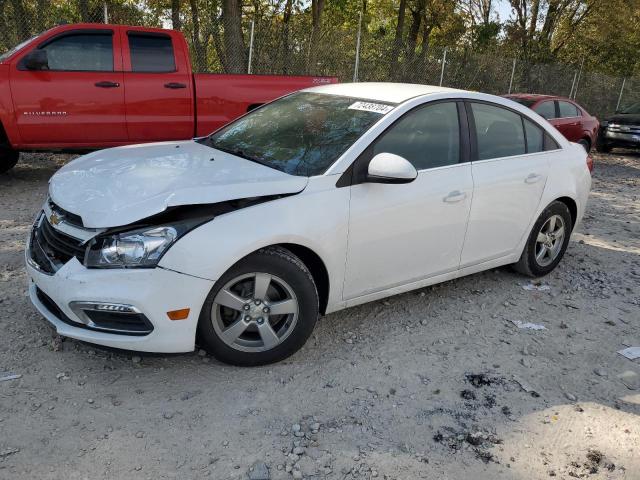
(8, 158)
(279, 263)
(528, 263)
(586, 144)
(602, 148)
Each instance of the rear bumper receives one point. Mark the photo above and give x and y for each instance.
(153, 292)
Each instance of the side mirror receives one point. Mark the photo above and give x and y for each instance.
(36, 60)
(390, 168)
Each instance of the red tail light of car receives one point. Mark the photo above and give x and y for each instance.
(590, 163)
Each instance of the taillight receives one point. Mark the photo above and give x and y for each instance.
(590, 163)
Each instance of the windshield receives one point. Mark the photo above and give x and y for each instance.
(301, 134)
(634, 108)
(6, 55)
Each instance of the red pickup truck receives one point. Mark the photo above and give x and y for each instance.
(89, 86)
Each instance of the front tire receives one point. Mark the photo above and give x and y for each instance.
(262, 310)
(547, 241)
(8, 158)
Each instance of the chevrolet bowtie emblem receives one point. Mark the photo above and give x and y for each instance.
(54, 219)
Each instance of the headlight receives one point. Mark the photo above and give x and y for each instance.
(138, 248)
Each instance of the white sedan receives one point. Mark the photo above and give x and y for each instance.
(324, 199)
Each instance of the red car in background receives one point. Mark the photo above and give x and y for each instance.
(572, 120)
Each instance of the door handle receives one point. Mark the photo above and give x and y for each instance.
(455, 197)
(107, 84)
(532, 178)
(175, 85)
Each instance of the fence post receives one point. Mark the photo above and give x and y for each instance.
(357, 63)
(513, 71)
(105, 12)
(253, 24)
(444, 61)
(573, 83)
(620, 96)
(575, 91)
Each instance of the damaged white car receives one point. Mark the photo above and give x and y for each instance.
(324, 199)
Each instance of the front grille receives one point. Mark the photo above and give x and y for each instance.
(624, 128)
(50, 248)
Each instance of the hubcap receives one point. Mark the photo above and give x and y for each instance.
(550, 240)
(254, 312)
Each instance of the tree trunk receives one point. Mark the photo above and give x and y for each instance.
(397, 41)
(199, 47)
(175, 15)
(233, 38)
(284, 55)
(412, 37)
(317, 6)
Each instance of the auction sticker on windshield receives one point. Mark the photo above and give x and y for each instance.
(371, 107)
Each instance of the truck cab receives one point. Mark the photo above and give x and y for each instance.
(89, 86)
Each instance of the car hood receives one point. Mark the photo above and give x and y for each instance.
(625, 118)
(118, 186)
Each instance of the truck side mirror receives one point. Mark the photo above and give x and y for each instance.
(36, 60)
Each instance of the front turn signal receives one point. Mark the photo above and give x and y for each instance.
(181, 314)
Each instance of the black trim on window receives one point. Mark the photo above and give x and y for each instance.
(549, 143)
(356, 173)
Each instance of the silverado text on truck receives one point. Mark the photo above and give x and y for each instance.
(89, 86)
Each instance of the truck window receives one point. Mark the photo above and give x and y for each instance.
(91, 52)
(151, 53)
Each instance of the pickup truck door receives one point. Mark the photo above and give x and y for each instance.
(159, 88)
(79, 99)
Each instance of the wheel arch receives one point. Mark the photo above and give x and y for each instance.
(316, 266)
(572, 206)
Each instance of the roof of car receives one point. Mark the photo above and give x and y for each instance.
(381, 91)
(531, 96)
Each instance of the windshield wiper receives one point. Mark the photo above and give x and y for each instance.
(239, 153)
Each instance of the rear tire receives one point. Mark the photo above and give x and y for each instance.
(586, 144)
(8, 158)
(237, 324)
(547, 241)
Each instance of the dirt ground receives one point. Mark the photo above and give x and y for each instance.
(437, 383)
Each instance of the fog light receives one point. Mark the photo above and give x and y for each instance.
(110, 307)
(181, 314)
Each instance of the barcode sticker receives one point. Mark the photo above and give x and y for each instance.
(380, 108)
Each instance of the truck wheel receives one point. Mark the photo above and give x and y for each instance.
(8, 158)
(261, 310)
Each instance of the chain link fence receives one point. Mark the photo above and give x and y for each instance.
(270, 40)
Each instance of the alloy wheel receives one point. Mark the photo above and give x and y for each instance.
(550, 240)
(254, 312)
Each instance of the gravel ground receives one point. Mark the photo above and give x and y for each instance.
(438, 383)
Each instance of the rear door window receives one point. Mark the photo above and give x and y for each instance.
(546, 110)
(535, 137)
(151, 53)
(499, 131)
(568, 110)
